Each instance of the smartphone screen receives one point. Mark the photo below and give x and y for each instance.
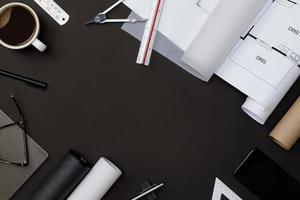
(266, 179)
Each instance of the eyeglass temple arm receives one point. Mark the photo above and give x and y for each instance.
(8, 125)
(24, 164)
(24, 128)
(18, 107)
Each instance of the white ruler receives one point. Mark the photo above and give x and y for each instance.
(54, 10)
(221, 189)
(150, 32)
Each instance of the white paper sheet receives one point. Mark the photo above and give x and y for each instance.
(176, 15)
(219, 35)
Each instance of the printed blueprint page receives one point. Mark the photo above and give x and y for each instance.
(265, 63)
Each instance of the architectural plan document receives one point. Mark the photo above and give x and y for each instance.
(264, 64)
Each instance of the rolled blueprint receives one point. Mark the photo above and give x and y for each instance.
(100, 179)
(287, 131)
(218, 36)
(260, 110)
(63, 179)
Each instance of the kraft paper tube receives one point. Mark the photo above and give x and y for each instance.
(287, 131)
(63, 179)
(226, 24)
(100, 179)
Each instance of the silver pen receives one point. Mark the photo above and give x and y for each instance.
(148, 191)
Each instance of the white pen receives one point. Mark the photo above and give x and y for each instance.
(148, 191)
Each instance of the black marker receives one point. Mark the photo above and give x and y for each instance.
(27, 80)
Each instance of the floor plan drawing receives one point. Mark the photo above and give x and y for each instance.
(265, 62)
(273, 41)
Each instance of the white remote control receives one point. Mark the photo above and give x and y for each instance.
(54, 10)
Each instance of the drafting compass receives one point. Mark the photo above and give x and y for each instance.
(101, 17)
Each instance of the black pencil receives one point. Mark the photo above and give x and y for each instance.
(27, 80)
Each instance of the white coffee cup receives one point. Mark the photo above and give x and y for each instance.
(33, 40)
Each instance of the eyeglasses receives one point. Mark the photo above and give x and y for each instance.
(21, 125)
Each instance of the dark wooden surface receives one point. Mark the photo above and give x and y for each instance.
(158, 122)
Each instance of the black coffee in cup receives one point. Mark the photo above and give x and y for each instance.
(17, 25)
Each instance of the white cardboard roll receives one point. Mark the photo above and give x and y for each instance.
(98, 181)
(227, 23)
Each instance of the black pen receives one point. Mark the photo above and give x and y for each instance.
(27, 80)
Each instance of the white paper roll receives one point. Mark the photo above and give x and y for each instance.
(219, 35)
(98, 181)
(256, 111)
(260, 111)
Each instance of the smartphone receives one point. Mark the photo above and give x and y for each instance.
(266, 179)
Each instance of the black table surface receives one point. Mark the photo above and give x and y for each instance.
(156, 122)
